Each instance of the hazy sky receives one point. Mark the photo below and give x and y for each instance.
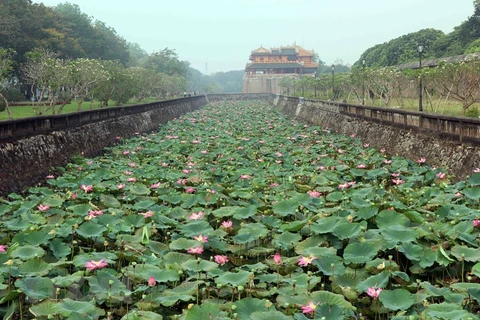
(222, 33)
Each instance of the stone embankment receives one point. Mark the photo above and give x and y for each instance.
(31, 148)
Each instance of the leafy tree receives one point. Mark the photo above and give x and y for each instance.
(166, 61)
(6, 67)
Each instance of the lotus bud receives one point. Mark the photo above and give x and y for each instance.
(219, 286)
(50, 316)
(58, 290)
(180, 272)
(144, 296)
(110, 282)
(190, 305)
(469, 278)
(234, 307)
(240, 288)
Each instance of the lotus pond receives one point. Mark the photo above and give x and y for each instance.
(237, 212)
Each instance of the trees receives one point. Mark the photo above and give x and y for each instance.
(166, 61)
(6, 67)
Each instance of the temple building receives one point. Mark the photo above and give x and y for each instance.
(269, 66)
(283, 60)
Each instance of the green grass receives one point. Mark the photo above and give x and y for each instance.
(19, 112)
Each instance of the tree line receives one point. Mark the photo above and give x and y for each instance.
(390, 86)
(464, 39)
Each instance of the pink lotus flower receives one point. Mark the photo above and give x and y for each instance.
(126, 152)
(164, 164)
(366, 145)
(387, 161)
(43, 208)
(182, 181)
(147, 214)
(458, 195)
(343, 186)
(340, 151)
(120, 186)
(132, 179)
(87, 189)
(274, 184)
(398, 181)
(314, 193)
(227, 224)
(196, 216)
(221, 260)
(186, 171)
(362, 166)
(195, 250)
(382, 150)
(395, 175)
(201, 238)
(92, 264)
(476, 223)
(50, 176)
(476, 170)
(94, 213)
(155, 185)
(277, 258)
(441, 175)
(3, 248)
(421, 160)
(309, 308)
(89, 162)
(152, 282)
(204, 152)
(190, 190)
(245, 176)
(74, 196)
(374, 293)
(305, 261)
(132, 165)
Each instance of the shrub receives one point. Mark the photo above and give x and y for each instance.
(13, 94)
(473, 112)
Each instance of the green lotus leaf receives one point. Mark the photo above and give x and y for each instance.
(205, 311)
(67, 307)
(474, 180)
(36, 288)
(313, 243)
(135, 220)
(286, 240)
(44, 308)
(399, 234)
(36, 238)
(366, 213)
(269, 315)
(66, 281)
(142, 315)
(294, 226)
(144, 205)
(329, 265)
(140, 189)
(35, 267)
(347, 230)
(334, 196)
(27, 252)
(59, 248)
(391, 219)
(285, 207)
(236, 279)
(464, 286)
(54, 201)
(246, 307)
(109, 201)
(245, 213)
(398, 299)
(466, 253)
(448, 311)
(325, 225)
(331, 299)
(226, 212)
(412, 251)
(105, 286)
(173, 258)
(472, 193)
(377, 281)
(185, 288)
(199, 265)
(359, 252)
(195, 228)
(91, 229)
(184, 244)
(142, 272)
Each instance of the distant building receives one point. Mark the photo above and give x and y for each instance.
(269, 66)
